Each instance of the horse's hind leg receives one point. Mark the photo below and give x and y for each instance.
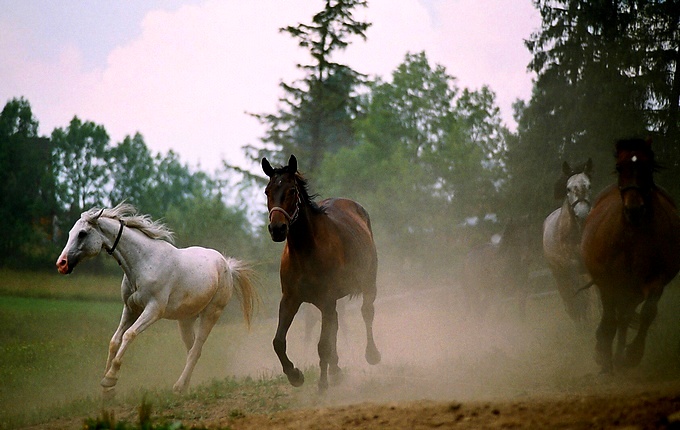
(206, 321)
(328, 353)
(186, 330)
(288, 307)
(368, 312)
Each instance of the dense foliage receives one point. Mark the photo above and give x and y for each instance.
(48, 182)
(605, 71)
(433, 163)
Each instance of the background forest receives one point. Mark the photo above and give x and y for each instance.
(433, 163)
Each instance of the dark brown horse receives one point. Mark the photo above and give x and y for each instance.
(631, 247)
(329, 254)
(497, 272)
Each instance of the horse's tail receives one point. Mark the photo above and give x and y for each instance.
(243, 279)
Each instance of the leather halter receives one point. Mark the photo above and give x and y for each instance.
(120, 233)
(577, 201)
(289, 217)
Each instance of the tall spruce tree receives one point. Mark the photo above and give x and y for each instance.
(317, 111)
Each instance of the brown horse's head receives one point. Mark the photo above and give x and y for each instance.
(283, 197)
(635, 166)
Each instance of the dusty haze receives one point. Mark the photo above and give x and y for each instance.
(431, 348)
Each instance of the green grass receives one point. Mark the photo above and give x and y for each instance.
(77, 286)
(54, 343)
(50, 348)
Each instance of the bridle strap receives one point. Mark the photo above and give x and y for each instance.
(577, 201)
(120, 233)
(630, 187)
(290, 218)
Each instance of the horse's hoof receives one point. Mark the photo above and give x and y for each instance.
(323, 386)
(633, 356)
(108, 382)
(372, 356)
(108, 395)
(606, 368)
(178, 389)
(295, 377)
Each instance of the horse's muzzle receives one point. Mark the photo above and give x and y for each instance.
(635, 214)
(62, 265)
(278, 231)
(581, 209)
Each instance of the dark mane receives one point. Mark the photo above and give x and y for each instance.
(303, 188)
(305, 196)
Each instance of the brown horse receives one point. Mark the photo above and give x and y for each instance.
(496, 272)
(562, 239)
(329, 254)
(631, 247)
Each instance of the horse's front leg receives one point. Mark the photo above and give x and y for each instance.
(149, 315)
(636, 349)
(126, 320)
(605, 334)
(288, 307)
(328, 353)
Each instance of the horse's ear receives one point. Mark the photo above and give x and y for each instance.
(588, 168)
(566, 169)
(267, 168)
(292, 163)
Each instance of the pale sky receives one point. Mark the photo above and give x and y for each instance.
(184, 73)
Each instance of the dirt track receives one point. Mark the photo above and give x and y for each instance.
(445, 369)
(643, 410)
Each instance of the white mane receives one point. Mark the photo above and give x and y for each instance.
(128, 213)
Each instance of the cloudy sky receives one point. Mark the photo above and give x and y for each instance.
(184, 73)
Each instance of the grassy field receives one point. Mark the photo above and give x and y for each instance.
(54, 342)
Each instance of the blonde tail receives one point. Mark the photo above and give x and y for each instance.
(243, 279)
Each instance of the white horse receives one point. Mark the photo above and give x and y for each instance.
(159, 281)
(562, 239)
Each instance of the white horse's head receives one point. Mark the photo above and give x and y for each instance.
(578, 191)
(85, 241)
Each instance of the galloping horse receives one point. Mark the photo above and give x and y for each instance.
(562, 238)
(631, 247)
(494, 272)
(159, 281)
(329, 254)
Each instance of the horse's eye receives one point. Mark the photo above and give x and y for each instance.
(82, 234)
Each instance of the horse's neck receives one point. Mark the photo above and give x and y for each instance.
(302, 231)
(568, 222)
(133, 249)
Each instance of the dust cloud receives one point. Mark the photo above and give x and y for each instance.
(432, 348)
